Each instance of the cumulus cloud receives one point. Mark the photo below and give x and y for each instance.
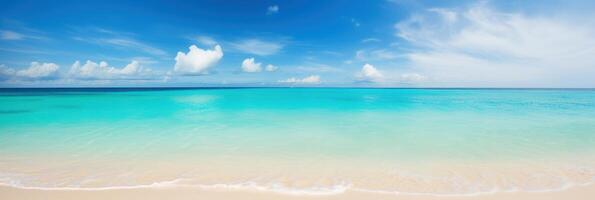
(271, 68)
(35, 71)
(370, 73)
(272, 9)
(257, 47)
(313, 79)
(6, 72)
(102, 71)
(479, 46)
(39, 71)
(248, 65)
(197, 61)
(88, 71)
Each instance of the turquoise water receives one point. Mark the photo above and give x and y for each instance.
(281, 136)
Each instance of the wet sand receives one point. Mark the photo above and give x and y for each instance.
(180, 193)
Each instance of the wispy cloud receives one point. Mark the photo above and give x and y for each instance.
(26, 51)
(257, 47)
(132, 43)
(366, 40)
(106, 37)
(13, 35)
(206, 40)
(317, 68)
(481, 46)
(16, 30)
(355, 22)
(376, 54)
(122, 42)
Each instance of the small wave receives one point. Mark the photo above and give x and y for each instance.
(285, 190)
(160, 184)
(177, 183)
(282, 189)
(471, 194)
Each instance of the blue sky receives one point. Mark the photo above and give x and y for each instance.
(398, 43)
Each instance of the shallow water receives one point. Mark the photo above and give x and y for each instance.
(299, 140)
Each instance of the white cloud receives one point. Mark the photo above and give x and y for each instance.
(143, 60)
(10, 35)
(370, 73)
(35, 71)
(248, 65)
(272, 9)
(102, 71)
(448, 15)
(130, 69)
(131, 43)
(313, 67)
(271, 68)
(412, 78)
(257, 47)
(313, 79)
(483, 47)
(360, 54)
(366, 40)
(28, 34)
(197, 61)
(39, 71)
(6, 72)
(205, 40)
(118, 41)
(374, 55)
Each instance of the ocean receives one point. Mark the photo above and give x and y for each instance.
(311, 141)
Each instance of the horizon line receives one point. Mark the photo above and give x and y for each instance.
(294, 87)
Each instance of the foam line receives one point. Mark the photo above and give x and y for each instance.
(281, 189)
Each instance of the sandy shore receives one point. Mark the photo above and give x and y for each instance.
(9, 193)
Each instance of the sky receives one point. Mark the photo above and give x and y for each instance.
(297, 43)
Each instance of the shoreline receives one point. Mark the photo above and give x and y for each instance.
(284, 190)
(579, 192)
